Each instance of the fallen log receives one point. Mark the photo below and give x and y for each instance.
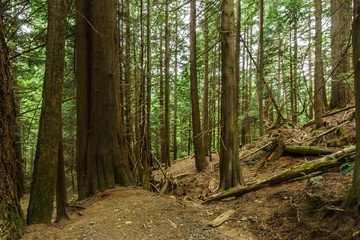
(320, 164)
(307, 150)
(279, 148)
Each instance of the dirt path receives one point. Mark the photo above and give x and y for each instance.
(132, 213)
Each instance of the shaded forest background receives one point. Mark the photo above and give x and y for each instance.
(281, 63)
(287, 62)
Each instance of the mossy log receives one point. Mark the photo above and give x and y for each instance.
(279, 148)
(320, 164)
(307, 150)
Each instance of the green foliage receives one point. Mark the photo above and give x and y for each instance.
(251, 163)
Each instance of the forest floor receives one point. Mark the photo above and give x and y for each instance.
(303, 208)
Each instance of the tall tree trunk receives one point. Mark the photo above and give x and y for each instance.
(61, 193)
(136, 137)
(127, 89)
(237, 65)
(46, 159)
(340, 58)
(189, 137)
(166, 157)
(291, 77)
(205, 104)
(200, 160)
(353, 198)
(11, 216)
(144, 171)
(261, 68)
(212, 118)
(249, 43)
(175, 87)
(318, 107)
(230, 172)
(161, 97)
(148, 88)
(279, 70)
(219, 125)
(244, 90)
(310, 66)
(295, 89)
(101, 161)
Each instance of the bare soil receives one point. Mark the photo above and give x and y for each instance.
(133, 213)
(299, 209)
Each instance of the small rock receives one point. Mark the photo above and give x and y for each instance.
(119, 226)
(209, 213)
(116, 210)
(128, 222)
(244, 219)
(91, 223)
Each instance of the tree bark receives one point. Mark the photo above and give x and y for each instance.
(41, 201)
(61, 193)
(237, 63)
(161, 98)
(175, 87)
(127, 88)
(230, 172)
(166, 157)
(11, 216)
(310, 66)
(353, 198)
(318, 107)
(101, 161)
(200, 161)
(205, 104)
(148, 88)
(295, 82)
(340, 57)
(261, 68)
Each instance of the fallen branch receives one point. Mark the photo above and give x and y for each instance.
(320, 164)
(338, 111)
(329, 114)
(222, 218)
(328, 131)
(162, 170)
(248, 155)
(183, 175)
